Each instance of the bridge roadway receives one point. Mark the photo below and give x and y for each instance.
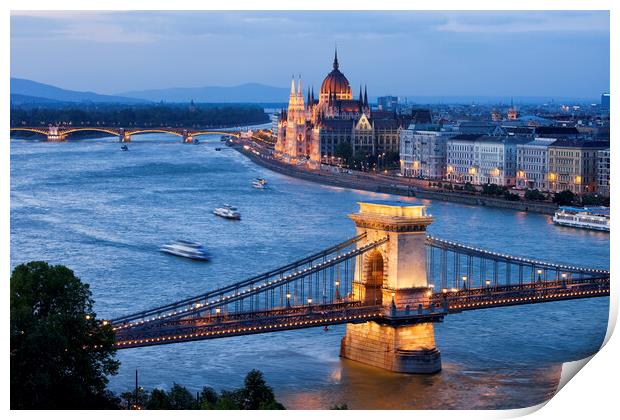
(308, 316)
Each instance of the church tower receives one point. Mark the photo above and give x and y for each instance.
(295, 140)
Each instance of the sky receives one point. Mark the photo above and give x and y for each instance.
(537, 53)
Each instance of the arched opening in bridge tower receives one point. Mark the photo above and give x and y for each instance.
(373, 279)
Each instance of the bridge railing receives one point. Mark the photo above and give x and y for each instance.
(517, 294)
(455, 266)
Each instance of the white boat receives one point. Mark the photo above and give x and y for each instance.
(228, 212)
(596, 218)
(259, 183)
(186, 249)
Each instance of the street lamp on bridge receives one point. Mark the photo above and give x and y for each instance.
(464, 278)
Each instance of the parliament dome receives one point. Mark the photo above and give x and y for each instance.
(337, 83)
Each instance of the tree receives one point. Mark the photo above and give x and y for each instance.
(207, 397)
(534, 195)
(257, 395)
(594, 200)
(230, 400)
(181, 398)
(344, 151)
(493, 189)
(564, 198)
(60, 353)
(158, 400)
(510, 196)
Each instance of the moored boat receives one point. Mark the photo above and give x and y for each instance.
(596, 218)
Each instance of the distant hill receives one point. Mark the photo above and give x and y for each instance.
(18, 99)
(36, 90)
(249, 92)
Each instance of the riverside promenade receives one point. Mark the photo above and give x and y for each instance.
(329, 175)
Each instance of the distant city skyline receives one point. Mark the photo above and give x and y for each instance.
(403, 53)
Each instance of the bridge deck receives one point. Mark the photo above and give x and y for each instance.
(230, 325)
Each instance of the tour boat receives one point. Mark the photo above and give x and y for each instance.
(186, 249)
(227, 212)
(596, 218)
(259, 183)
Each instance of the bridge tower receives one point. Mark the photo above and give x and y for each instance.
(187, 137)
(393, 276)
(54, 134)
(124, 136)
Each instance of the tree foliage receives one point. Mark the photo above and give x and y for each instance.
(535, 195)
(344, 151)
(564, 198)
(493, 189)
(254, 395)
(60, 353)
(174, 115)
(594, 200)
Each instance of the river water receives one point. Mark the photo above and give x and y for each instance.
(104, 213)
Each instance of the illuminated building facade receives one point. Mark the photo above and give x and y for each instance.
(573, 165)
(481, 159)
(423, 151)
(310, 129)
(603, 170)
(532, 164)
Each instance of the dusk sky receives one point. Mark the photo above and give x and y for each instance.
(555, 54)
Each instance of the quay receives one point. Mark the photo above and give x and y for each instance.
(262, 156)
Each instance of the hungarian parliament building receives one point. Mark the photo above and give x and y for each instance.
(311, 128)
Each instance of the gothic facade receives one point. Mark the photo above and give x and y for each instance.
(310, 129)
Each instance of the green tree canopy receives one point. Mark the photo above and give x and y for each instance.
(344, 151)
(257, 395)
(564, 198)
(534, 195)
(60, 353)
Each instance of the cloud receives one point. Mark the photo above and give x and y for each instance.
(523, 22)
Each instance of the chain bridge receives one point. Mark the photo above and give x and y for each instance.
(389, 284)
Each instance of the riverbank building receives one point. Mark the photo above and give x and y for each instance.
(311, 128)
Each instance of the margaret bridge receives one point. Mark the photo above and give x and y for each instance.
(389, 284)
(60, 133)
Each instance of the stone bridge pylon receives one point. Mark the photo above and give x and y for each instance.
(394, 276)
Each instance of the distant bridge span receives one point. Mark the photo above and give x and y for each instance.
(124, 134)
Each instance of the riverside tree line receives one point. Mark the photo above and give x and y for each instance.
(150, 115)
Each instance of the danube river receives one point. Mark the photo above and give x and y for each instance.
(104, 213)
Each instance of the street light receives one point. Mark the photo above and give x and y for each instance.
(539, 273)
(464, 278)
(288, 299)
